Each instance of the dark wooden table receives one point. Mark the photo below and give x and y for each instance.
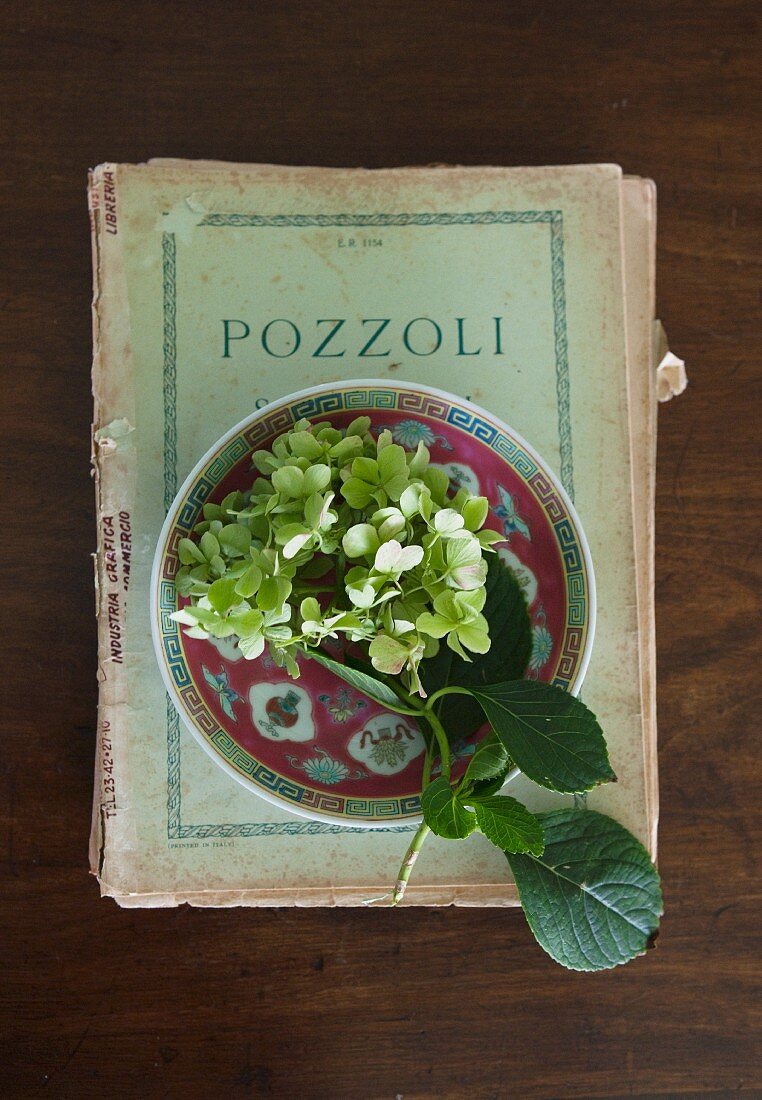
(416, 1004)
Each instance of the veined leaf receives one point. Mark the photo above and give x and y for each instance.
(508, 824)
(364, 683)
(552, 736)
(489, 760)
(593, 899)
(444, 814)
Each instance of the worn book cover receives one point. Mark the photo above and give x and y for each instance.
(218, 288)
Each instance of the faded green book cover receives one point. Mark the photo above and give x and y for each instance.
(220, 287)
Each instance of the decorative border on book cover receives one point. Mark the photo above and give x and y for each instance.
(554, 218)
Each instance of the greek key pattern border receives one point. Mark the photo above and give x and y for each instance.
(343, 399)
(576, 585)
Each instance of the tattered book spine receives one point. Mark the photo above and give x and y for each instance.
(114, 471)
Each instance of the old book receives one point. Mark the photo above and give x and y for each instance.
(551, 273)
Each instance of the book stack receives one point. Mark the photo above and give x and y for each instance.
(220, 287)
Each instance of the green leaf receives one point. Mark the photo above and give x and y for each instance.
(209, 546)
(489, 760)
(488, 769)
(273, 593)
(438, 481)
(510, 632)
(236, 539)
(249, 581)
(368, 685)
(593, 899)
(444, 814)
(217, 565)
(222, 594)
(553, 737)
(508, 824)
(361, 539)
(213, 511)
(356, 492)
(475, 513)
(316, 479)
(189, 552)
(304, 445)
(288, 480)
(316, 568)
(252, 646)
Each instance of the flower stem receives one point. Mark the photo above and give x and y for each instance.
(442, 741)
(445, 691)
(409, 862)
(443, 745)
(426, 777)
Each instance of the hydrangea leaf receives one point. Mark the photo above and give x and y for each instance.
(508, 824)
(593, 899)
(552, 736)
(444, 814)
(489, 760)
(368, 685)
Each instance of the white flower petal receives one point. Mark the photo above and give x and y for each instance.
(409, 557)
(388, 555)
(447, 521)
(294, 545)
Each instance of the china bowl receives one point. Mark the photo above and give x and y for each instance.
(315, 746)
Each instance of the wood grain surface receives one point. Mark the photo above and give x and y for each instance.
(416, 1004)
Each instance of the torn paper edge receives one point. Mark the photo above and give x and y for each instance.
(671, 378)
